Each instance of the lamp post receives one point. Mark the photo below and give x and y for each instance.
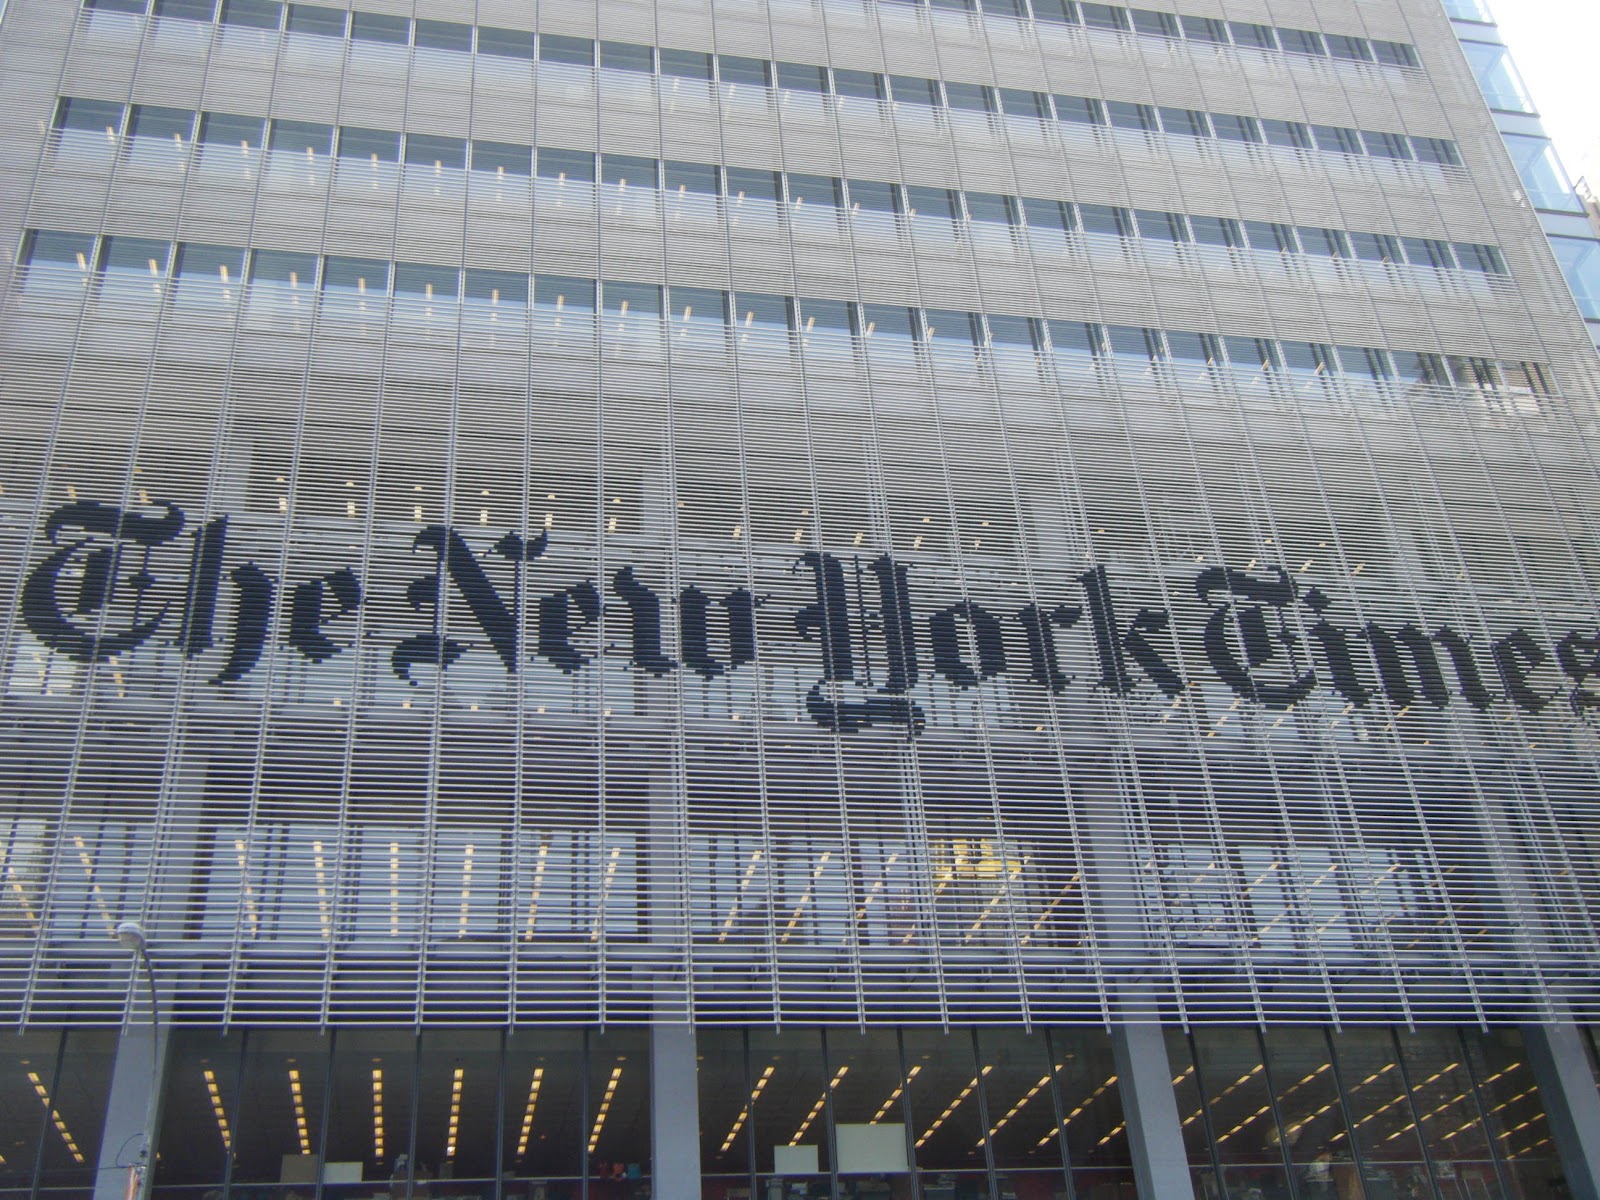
(130, 936)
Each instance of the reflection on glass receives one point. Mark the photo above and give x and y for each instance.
(1313, 1119)
(868, 1111)
(281, 1097)
(1513, 1115)
(1020, 1112)
(24, 1058)
(1091, 1115)
(1497, 77)
(790, 1128)
(541, 1121)
(1580, 263)
(1235, 1088)
(199, 1112)
(1383, 1121)
(618, 1139)
(370, 1108)
(944, 1107)
(1541, 172)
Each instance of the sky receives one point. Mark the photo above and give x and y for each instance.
(1556, 44)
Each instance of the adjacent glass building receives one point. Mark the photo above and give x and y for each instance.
(780, 599)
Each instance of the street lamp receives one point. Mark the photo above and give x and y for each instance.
(130, 936)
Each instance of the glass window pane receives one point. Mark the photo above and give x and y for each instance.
(187, 10)
(1314, 1128)
(283, 267)
(496, 287)
(1157, 24)
(505, 43)
(1188, 122)
(734, 68)
(76, 1097)
(1233, 1083)
(1542, 174)
(442, 35)
(1397, 54)
(692, 305)
(1383, 1123)
(566, 164)
(1052, 216)
(867, 1107)
(912, 89)
(1497, 77)
(623, 170)
(431, 150)
(798, 77)
(1080, 110)
(318, 20)
(278, 1131)
(744, 183)
(632, 299)
(697, 178)
(871, 196)
(252, 14)
(565, 293)
(1057, 12)
(380, 27)
(1125, 115)
(363, 276)
(304, 137)
(374, 145)
(1286, 133)
(1011, 331)
(502, 157)
(1103, 16)
(47, 248)
(23, 1058)
(865, 85)
(1354, 48)
(814, 190)
(223, 129)
(972, 97)
(1205, 29)
(458, 1081)
(627, 56)
(543, 1132)
(199, 1109)
(373, 1096)
(208, 271)
(753, 310)
(618, 1143)
(1217, 231)
(170, 124)
(1245, 33)
(1337, 139)
(1104, 219)
(89, 116)
(557, 48)
(1074, 338)
(426, 281)
(1580, 264)
(1302, 41)
(685, 64)
(943, 1104)
(991, 207)
(1161, 226)
(134, 256)
(1519, 1131)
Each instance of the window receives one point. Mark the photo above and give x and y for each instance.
(685, 64)
(1386, 145)
(745, 183)
(991, 208)
(1487, 259)
(873, 197)
(317, 20)
(1160, 226)
(554, 47)
(736, 69)
(1302, 41)
(627, 56)
(798, 77)
(187, 10)
(1438, 150)
(1395, 54)
(911, 89)
(1363, 363)
(425, 281)
(753, 310)
(1428, 252)
(1124, 115)
(621, 170)
(564, 294)
(1052, 215)
(1353, 48)
(441, 35)
(226, 130)
(283, 269)
(1234, 128)
(1329, 243)
(970, 97)
(503, 158)
(1186, 121)
(1250, 354)
(1286, 133)
(1104, 16)
(1134, 345)
(931, 202)
(631, 300)
(1008, 332)
(505, 43)
(1205, 29)
(1074, 338)
(121, 6)
(431, 150)
(252, 14)
(208, 272)
(1080, 110)
(133, 267)
(300, 137)
(1246, 33)
(1497, 77)
(700, 179)
(1336, 139)
(948, 329)
(1306, 358)
(1103, 218)
(692, 306)
(90, 116)
(1192, 349)
(164, 124)
(1269, 235)
(374, 145)
(863, 85)
(359, 276)
(496, 287)
(887, 326)
(1156, 24)
(1375, 247)
(52, 257)
(1057, 12)
(565, 165)
(1217, 231)
(816, 191)
(824, 317)
(1017, 103)
(378, 27)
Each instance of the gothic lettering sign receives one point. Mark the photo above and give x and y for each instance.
(113, 580)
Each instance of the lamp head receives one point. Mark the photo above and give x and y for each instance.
(130, 936)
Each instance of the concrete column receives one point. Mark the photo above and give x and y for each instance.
(1155, 1138)
(1560, 1063)
(133, 1108)
(674, 1114)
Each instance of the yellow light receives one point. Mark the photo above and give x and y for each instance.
(744, 1113)
(816, 1109)
(951, 1107)
(538, 884)
(298, 1099)
(527, 1113)
(883, 1109)
(457, 1081)
(55, 1118)
(377, 1113)
(605, 1104)
(216, 1108)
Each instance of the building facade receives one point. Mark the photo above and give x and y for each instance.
(789, 598)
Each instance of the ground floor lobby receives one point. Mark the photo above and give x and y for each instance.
(726, 1113)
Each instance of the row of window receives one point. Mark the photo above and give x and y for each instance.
(1212, 31)
(732, 69)
(446, 35)
(739, 183)
(135, 266)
